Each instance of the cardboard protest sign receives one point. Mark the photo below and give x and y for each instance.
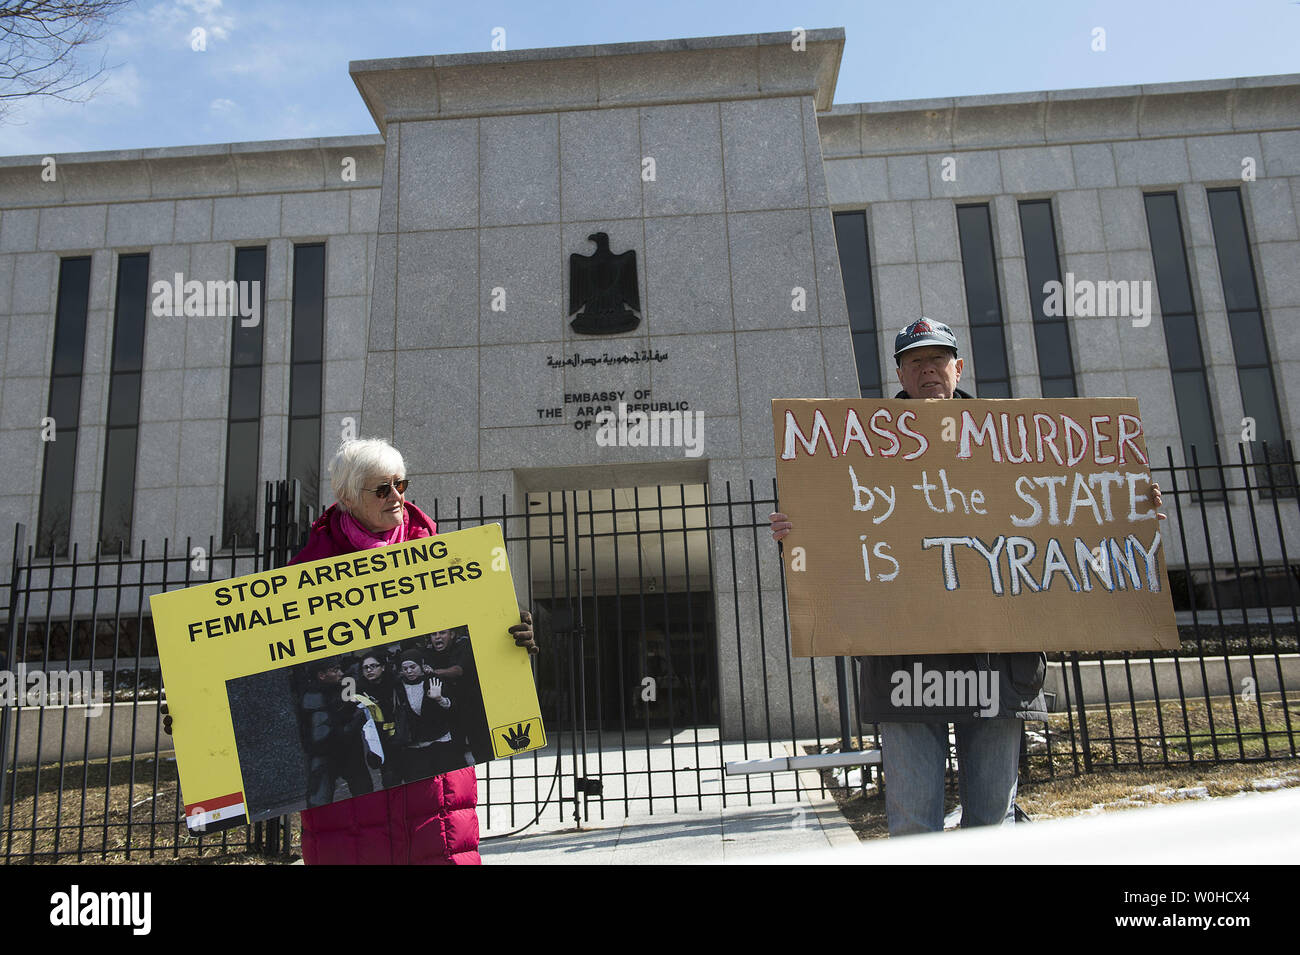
(969, 525)
(320, 681)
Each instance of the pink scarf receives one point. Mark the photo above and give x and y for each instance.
(362, 539)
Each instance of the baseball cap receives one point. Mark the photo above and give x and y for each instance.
(925, 332)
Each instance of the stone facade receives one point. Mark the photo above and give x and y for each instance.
(1094, 153)
(447, 298)
(189, 208)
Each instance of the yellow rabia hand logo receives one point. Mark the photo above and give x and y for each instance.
(518, 736)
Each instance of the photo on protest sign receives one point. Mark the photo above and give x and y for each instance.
(316, 682)
(933, 526)
(354, 723)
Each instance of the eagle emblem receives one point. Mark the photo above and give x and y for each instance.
(603, 290)
(922, 327)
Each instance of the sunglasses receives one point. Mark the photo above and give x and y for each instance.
(384, 489)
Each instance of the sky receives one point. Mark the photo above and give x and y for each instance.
(278, 69)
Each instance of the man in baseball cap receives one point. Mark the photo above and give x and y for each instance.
(914, 740)
(923, 332)
(927, 359)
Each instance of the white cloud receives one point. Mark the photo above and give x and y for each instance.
(122, 87)
(44, 125)
(297, 124)
(169, 24)
(223, 105)
(260, 60)
(208, 12)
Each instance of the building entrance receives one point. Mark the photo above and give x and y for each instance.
(632, 584)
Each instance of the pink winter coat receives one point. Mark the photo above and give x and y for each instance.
(428, 822)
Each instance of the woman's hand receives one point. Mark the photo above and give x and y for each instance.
(435, 688)
(522, 632)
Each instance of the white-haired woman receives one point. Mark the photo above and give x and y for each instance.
(429, 821)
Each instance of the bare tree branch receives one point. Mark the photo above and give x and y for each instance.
(41, 43)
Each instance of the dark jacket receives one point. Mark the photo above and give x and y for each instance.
(330, 725)
(470, 716)
(381, 695)
(887, 680)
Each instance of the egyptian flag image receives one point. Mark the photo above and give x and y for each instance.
(216, 814)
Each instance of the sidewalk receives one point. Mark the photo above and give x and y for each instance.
(1246, 829)
(734, 834)
(639, 830)
(1250, 828)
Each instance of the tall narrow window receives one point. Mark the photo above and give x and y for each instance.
(305, 373)
(983, 302)
(54, 526)
(1182, 334)
(1051, 334)
(1249, 342)
(118, 499)
(244, 420)
(855, 267)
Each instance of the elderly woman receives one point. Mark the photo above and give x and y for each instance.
(429, 821)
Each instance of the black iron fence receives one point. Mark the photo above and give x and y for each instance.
(1231, 692)
(665, 660)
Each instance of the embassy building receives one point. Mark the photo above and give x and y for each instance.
(537, 239)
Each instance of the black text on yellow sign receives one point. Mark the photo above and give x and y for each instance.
(342, 606)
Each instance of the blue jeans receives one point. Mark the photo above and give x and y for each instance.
(915, 756)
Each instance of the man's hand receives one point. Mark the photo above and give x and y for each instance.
(1157, 501)
(523, 632)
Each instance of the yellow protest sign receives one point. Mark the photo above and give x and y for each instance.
(307, 684)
